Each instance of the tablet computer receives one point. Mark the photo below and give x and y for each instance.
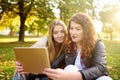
(34, 60)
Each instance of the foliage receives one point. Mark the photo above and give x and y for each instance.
(7, 59)
(70, 7)
(109, 19)
(44, 15)
(10, 23)
(7, 70)
(24, 9)
(19, 7)
(42, 10)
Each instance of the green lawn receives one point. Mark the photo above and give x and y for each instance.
(113, 58)
(7, 58)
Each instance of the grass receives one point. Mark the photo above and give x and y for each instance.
(4, 39)
(113, 58)
(7, 57)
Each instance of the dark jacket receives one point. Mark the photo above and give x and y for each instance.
(95, 64)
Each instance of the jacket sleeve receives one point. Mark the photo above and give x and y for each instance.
(99, 63)
(41, 43)
(58, 62)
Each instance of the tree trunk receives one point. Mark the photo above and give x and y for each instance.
(111, 37)
(37, 33)
(22, 30)
(11, 33)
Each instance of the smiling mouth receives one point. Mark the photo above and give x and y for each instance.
(74, 37)
(60, 39)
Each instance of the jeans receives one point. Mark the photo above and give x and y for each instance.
(44, 78)
(29, 77)
(18, 77)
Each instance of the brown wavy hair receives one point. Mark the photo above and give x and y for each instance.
(89, 36)
(53, 49)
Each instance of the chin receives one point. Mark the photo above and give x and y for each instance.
(60, 42)
(74, 40)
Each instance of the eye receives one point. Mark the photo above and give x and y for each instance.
(62, 31)
(78, 28)
(55, 32)
(71, 28)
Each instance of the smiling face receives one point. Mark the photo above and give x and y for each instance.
(58, 34)
(76, 32)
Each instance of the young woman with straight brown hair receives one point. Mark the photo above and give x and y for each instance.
(55, 45)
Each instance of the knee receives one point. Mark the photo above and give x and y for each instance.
(71, 68)
(104, 78)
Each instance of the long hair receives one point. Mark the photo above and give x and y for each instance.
(89, 36)
(51, 43)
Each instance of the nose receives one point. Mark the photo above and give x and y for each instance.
(59, 34)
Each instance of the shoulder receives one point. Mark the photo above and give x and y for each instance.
(44, 38)
(99, 44)
(100, 49)
(41, 42)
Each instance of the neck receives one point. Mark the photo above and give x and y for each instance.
(57, 44)
(57, 47)
(78, 46)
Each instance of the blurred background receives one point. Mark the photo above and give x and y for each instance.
(23, 22)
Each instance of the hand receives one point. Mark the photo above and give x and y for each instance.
(19, 70)
(19, 66)
(60, 74)
(55, 74)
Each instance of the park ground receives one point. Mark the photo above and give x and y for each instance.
(7, 57)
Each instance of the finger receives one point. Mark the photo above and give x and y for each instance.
(50, 75)
(18, 76)
(23, 72)
(19, 68)
(52, 71)
(17, 63)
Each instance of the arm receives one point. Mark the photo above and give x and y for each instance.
(41, 43)
(60, 74)
(58, 62)
(98, 68)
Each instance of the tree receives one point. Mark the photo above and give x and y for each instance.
(19, 7)
(44, 15)
(26, 8)
(10, 23)
(108, 18)
(70, 7)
